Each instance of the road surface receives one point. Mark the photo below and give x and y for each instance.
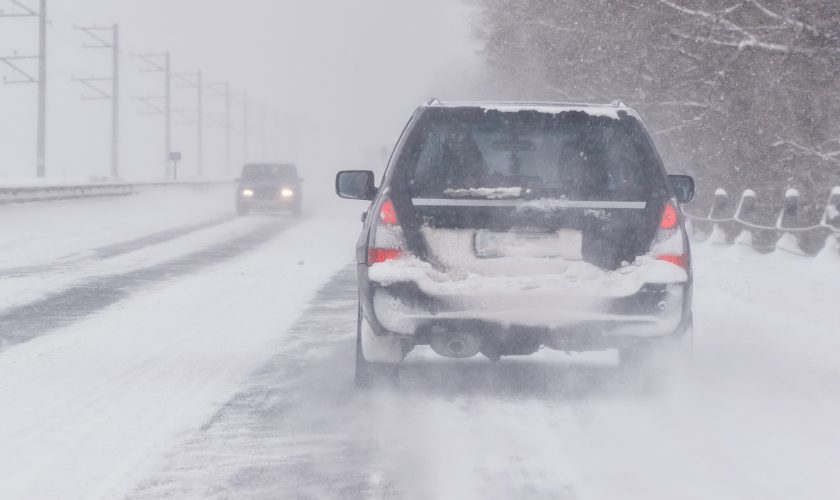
(156, 347)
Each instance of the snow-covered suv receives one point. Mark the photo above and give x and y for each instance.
(500, 228)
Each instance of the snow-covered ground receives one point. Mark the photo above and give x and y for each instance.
(38, 233)
(222, 368)
(87, 405)
(754, 417)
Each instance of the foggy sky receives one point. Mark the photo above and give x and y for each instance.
(344, 75)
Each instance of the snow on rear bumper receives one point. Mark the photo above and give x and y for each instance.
(408, 297)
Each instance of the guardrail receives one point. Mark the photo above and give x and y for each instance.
(767, 228)
(29, 194)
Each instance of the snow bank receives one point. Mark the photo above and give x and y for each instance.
(832, 212)
(718, 237)
(789, 242)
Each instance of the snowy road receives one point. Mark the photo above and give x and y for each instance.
(216, 362)
(754, 418)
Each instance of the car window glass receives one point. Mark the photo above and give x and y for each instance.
(257, 172)
(553, 155)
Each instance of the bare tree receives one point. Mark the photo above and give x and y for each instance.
(737, 92)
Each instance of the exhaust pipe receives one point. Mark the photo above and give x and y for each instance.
(456, 345)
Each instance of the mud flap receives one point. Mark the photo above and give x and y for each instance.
(380, 349)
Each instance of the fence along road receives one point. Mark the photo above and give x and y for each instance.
(29, 194)
(747, 224)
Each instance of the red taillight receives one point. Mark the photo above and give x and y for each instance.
(377, 255)
(677, 260)
(670, 217)
(387, 214)
(387, 241)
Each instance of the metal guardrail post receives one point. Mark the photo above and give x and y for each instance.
(717, 212)
(746, 206)
(788, 241)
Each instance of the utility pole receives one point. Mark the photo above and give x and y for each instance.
(277, 133)
(24, 76)
(223, 90)
(246, 128)
(227, 127)
(98, 94)
(195, 81)
(160, 63)
(263, 131)
(42, 90)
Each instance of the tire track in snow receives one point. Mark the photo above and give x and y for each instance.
(261, 442)
(116, 249)
(461, 429)
(26, 322)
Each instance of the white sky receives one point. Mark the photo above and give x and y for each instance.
(346, 74)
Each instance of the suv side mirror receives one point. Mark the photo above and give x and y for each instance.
(683, 187)
(355, 185)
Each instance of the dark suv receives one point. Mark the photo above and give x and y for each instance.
(269, 186)
(500, 228)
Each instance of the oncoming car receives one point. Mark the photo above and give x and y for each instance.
(502, 228)
(269, 186)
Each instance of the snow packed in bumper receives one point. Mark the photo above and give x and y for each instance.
(644, 299)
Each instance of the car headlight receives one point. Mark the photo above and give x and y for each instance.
(286, 193)
(247, 193)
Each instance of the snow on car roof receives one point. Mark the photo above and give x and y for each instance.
(609, 110)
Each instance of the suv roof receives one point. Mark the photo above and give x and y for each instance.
(610, 109)
(271, 170)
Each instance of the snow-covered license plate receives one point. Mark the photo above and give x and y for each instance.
(566, 244)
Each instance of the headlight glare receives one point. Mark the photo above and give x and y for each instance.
(247, 193)
(286, 193)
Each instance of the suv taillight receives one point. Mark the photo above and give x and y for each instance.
(387, 241)
(387, 214)
(670, 217)
(669, 244)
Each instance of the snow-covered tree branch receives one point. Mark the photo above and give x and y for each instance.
(720, 81)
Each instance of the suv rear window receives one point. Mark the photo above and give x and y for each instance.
(258, 172)
(475, 152)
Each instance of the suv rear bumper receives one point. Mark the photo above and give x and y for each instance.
(562, 322)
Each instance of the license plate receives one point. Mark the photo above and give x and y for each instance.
(565, 244)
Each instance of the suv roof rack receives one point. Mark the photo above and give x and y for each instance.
(434, 101)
